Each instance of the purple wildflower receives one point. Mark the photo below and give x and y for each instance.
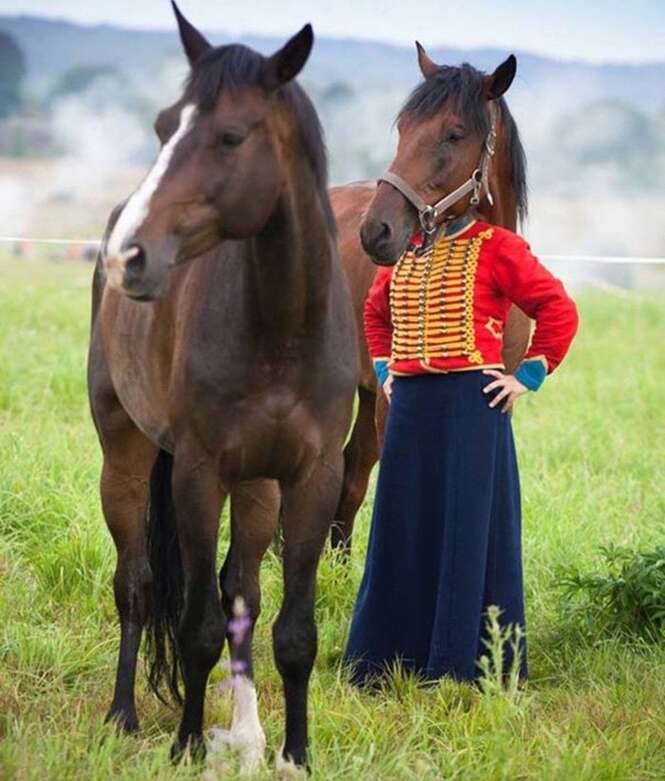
(239, 626)
(241, 622)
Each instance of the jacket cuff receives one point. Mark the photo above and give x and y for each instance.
(381, 370)
(531, 374)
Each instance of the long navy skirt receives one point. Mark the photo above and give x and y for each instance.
(445, 538)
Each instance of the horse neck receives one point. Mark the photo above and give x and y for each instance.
(291, 260)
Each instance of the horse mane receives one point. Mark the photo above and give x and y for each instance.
(464, 86)
(236, 66)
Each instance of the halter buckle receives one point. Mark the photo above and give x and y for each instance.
(477, 177)
(427, 217)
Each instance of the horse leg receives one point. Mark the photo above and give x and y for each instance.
(198, 497)
(360, 455)
(124, 487)
(308, 508)
(380, 417)
(254, 512)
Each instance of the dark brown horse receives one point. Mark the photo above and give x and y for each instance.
(442, 130)
(232, 374)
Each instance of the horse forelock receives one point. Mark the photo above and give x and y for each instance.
(461, 87)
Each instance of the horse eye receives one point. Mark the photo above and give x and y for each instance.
(230, 139)
(454, 137)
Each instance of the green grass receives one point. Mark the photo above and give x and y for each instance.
(592, 454)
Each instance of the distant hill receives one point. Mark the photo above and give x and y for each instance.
(594, 134)
(53, 46)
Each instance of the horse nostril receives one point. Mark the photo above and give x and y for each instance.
(135, 266)
(375, 233)
(385, 232)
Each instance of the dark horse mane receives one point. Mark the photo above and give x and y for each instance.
(464, 85)
(236, 66)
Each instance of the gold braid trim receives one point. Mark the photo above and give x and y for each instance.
(431, 301)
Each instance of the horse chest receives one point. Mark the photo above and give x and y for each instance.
(269, 436)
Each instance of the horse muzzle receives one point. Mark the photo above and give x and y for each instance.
(130, 272)
(380, 242)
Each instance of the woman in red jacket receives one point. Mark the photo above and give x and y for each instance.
(445, 537)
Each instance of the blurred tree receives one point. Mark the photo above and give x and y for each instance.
(12, 73)
(612, 141)
(81, 78)
(99, 88)
(337, 92)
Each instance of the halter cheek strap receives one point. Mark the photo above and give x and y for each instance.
(429, 214)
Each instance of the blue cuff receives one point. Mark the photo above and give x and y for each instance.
(381, 370)
(532, 374)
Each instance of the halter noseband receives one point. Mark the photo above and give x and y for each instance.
(429, 214)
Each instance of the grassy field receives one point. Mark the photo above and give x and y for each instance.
(592, 453)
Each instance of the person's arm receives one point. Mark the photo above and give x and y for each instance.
(520, 277)
(378, 324)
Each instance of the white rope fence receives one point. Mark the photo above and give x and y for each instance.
(603, 259)
(30, 240)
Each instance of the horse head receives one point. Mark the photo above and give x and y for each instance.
(221, 166)
(449, 130)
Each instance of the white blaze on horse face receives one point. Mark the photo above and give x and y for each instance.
(136, 209)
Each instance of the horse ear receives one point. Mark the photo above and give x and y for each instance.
(427, 66)
(194, 44)
(498, 82)
(286, 63)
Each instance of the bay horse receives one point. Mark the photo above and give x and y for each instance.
(448, 101)
(233, 373)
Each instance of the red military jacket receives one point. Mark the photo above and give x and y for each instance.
(445, 310)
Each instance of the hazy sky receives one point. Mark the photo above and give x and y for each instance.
(597, 30)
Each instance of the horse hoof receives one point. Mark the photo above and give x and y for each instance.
(286, 769)
(217, 765)
(249, 748)
(125, 721)
(192, 747)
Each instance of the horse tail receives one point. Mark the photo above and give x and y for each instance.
(163, 660)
